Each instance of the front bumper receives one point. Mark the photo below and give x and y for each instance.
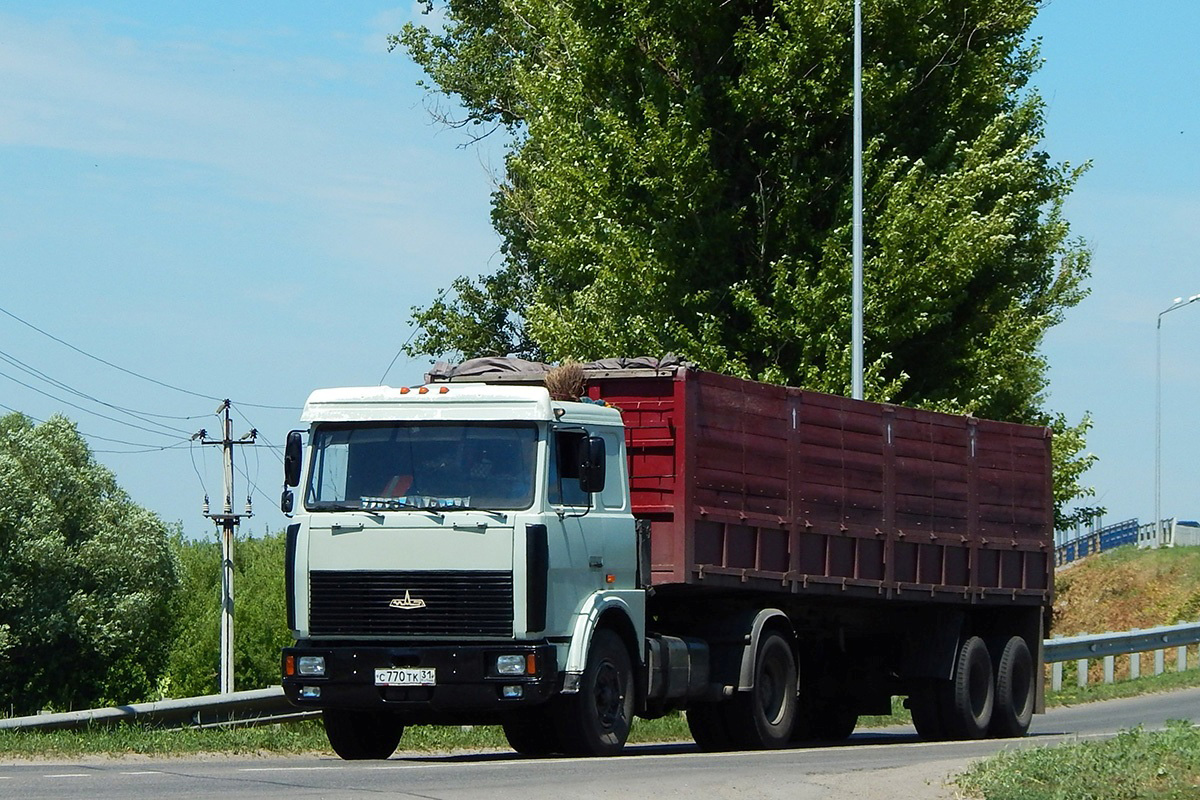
(468, 689)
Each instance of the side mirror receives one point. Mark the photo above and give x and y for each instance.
(293, 453)
(287, 501)
(591, 465)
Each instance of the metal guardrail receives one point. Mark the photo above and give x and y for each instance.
(253, 707)
(263, 706)
(1107, 646)
(1071, 648)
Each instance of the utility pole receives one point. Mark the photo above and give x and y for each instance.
(227, 521)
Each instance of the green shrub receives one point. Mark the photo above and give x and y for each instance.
(259, 616)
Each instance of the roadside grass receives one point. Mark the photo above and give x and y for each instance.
(1134, 765)
(309, 737)
(293, 738)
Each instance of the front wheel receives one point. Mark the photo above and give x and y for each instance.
(362, 735)
(596, 720)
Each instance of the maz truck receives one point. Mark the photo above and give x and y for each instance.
(772, 561)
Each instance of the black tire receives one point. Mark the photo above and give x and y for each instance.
(762, 718)
(596, 720)
(833, 722)
(967, 708)
(706, 721)
(924, 703)
(1015, 691)
(362, 735)
(822, 718)
(532, 733)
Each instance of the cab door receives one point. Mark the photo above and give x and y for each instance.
(591, 535)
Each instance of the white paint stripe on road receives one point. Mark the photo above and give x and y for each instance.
(68, 775)
(286, 769)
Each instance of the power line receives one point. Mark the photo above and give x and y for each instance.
(148, 448)
(88, 410)
(131, 372)
(142, 415)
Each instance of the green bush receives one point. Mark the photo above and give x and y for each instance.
(259, 616)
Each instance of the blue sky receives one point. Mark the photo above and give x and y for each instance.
(244, 201)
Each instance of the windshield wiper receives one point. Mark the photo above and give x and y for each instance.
(337, 507)
(480, 509)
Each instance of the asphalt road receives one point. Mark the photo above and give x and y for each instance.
(886, 763)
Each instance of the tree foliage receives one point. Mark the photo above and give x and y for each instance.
(86, 576)
(678, 180)
(260, 616)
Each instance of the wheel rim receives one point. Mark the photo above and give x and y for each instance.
(609, 695)
(770, 697)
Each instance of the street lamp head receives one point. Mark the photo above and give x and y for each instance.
(1177, 300)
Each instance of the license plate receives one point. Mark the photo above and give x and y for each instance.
(423, 676)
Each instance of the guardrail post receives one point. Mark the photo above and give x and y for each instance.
(1158, 662)
(1135, 666)
(1181, 658)
(1108, 668)
(1056, 676)
(1081, 676)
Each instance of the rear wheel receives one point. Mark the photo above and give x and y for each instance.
(360, 735)
(762, 718)
(596, 720)
(967, 709)
(1015, 690)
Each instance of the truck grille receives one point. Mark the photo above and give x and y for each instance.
(393, 603)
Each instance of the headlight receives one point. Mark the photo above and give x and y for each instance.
(510, 665)
(311, 666)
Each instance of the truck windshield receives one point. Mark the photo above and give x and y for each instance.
(400, 466)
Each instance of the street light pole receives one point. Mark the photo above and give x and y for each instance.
(1179, 303)
(856, 333)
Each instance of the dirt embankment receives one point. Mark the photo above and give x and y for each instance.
(1126, 589)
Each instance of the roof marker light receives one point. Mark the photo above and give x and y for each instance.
(443, 390)
(423, 390)
(404, 390)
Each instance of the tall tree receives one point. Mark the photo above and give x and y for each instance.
(678, 179)
(86, 576)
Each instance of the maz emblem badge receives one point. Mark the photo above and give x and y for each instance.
(407, 602)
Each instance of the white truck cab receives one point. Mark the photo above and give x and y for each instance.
(453, 552)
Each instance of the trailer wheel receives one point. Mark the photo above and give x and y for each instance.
(821, 718)
(1015, 690)
(967, 708)
(833, 722)
(532, 733)
(924, 703)
(360, 735)
(762, 718)
(596, 720)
